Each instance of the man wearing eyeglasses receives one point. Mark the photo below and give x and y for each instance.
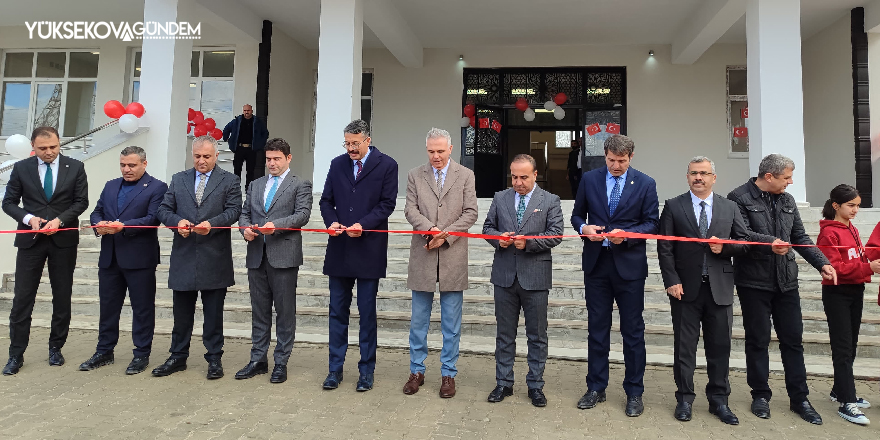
(699, 281)
(360, 193)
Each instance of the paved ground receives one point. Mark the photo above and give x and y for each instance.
(62, 402)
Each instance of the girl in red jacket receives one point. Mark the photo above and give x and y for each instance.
(843, 302)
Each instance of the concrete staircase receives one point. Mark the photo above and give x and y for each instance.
(567, 311)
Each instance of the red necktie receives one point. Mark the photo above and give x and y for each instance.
(360, 168)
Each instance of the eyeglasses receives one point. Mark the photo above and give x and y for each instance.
(348, 145)
(701, 173)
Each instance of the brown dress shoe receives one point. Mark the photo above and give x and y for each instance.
(413, 383)
(447, 387)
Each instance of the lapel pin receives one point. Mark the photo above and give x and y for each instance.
(145, 184)
(632, 182)
(66, 166)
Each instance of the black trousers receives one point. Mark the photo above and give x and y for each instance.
(843, 309)
(717, 322)
(248, 158)
(29, 265)
(784, 308)
(184, 317)
(141, 286)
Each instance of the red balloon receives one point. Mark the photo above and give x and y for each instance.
(190, 114)
(210, 124)
(199, 131)
(522, 104)
(114, 109)
(217, 134)
(135, 108)
(198, 118)
(473, 121)
(560, 98)
(470, 110)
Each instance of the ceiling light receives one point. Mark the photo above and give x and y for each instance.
(461, 57)
(651, 52)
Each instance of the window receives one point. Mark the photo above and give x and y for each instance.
(211, 86)
(737, 112)
(48, 88)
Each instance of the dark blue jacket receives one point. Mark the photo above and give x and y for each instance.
(369, 201)
(261, 133)
(637, 211)
(135, 248)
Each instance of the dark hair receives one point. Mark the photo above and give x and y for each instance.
(840, 194)
(133, 149)
(278, 144)
(526, 158)
(44, 132)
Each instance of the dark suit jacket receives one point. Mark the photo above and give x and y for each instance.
(202, 262)
(290, 208)
(369, 201)
(135, 248)
(637, 211)
(681, 262)
(69, 200)
(260, 134)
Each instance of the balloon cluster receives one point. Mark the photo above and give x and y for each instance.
(128, 115)
(469, 118)
(198, 125)
(554, 106)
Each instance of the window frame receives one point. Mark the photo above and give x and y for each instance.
(730, 100)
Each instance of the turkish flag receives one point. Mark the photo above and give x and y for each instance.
(593, 129)
(612, 128)
(496, 126)
(740, 132)
(484, 122)
(744, 113)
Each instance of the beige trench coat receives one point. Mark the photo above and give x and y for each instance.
(453, 210)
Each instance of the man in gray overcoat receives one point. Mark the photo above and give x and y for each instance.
(522, 273)
(440, 196)
(199, 199)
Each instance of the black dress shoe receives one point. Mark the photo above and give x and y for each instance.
(13, 365)
(172, 365)
(761, 408)
(252, 369)
(724, 414)
(806, 411)
(538, 397)
(499, 393)
(138, 365)
(332, 381)
(215, 369)
(634, 406)
(683, 411)
(365, 382)
(590, 399)
(96, 361)
(56, 359)
(279, 374)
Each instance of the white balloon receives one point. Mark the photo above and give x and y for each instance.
(128, 123)
(559, 113)
(4, 176)
(19, 146)
(549, 106)
(529, 115)
(465, 121)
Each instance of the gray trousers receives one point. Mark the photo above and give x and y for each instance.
(270, 286)
(508, 303)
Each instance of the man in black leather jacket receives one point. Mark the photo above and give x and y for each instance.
(766, 280)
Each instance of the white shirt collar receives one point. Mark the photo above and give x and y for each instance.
(55, 161)
(283, 175)
(444, 170)
(529, 195)
(696, 200)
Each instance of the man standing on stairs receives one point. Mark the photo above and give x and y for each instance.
(360, 193)
(246, 136)
(128, 258)
(275, 202)
(615, 198)
(198, 200)
(53, 191)
(440, 196)
(699, 281)
(767, 284)
(522, 272)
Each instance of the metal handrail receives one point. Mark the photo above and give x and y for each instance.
(83, 136)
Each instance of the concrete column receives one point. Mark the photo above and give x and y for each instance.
(165, 75)
(776, 100)
(339, 79)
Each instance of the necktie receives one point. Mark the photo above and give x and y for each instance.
(439, 182)
(47, 182)
(200, 190)
(360, 168)
(520, 209)
(704, 229)
(615, 195)
(271, 194)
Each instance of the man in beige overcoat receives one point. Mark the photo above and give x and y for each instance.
(440, 196)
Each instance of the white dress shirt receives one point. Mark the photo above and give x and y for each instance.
(270, 181)
(697, 208)
(41, 168)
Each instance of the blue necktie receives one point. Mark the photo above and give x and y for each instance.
(615, 195)
(47, 182)
(271, 194)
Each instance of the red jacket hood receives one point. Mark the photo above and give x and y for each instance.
(848, 260)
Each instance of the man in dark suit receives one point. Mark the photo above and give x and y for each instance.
(574, 167)
(699, 281)
(522, 272)
(278, 201)
(197, 200)
(360, 193)
(246, 136)
(128, 259)
(53, 191)
(615, 198)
